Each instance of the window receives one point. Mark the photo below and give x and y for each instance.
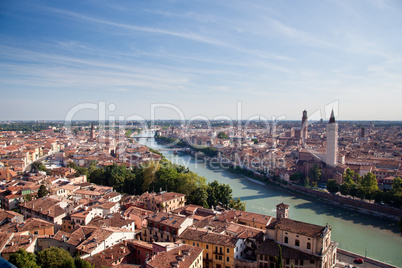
(207, 256)
(286, 240)
(301, 262)
(227, 250)
(308, 245)
(227, 259)
(297, 243)
(207, 248)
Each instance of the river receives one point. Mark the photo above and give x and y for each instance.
(354, 231)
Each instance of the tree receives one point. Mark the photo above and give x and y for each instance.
(400, 225)
(397, 184)
(378, 196)
(92, 167)
(219, 193)
(237, 204)
(199, 197)
(397, 198)
(79, 171)
(23, 259)
(315, 174)
(349, 186)
(28, 197)
(369, 185)
(344, 189)
(98, 176)
(306, 181)
(354, 190)
(297, 177)
(54, 257)
(332, 186)
(222, 135)
(278, 259)
(38, 166)
(349, 175)
(42, 191)
(150, 174)
(256, 141)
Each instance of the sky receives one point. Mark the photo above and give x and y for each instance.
(201, 59)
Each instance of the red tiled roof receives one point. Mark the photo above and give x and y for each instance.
(205, 236)
(184, 256)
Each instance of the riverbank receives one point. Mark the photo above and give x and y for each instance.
(347, 258)
(258, 182)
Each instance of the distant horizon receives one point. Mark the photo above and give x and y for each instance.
(177, 120)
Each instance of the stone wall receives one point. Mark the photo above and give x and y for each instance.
(44, 243)
(362, 206)
(244, 263)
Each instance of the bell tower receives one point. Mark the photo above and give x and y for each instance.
(304, 128)
(332, 141)
(282, 211)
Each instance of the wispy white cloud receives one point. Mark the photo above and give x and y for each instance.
(204, 18)
(299, 35)
(188, 35)
(42, 69)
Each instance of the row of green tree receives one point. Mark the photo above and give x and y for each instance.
(27, 126)
(366, 187)
(208, 151)
(52, 257)
(162, 175)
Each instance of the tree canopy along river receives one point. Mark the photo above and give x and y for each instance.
(354, 231)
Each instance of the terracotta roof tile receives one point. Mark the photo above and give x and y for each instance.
(184, 256)
(167, 219)
(297, 227)
(205, 236)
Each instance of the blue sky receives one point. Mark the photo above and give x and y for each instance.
(202, 57)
